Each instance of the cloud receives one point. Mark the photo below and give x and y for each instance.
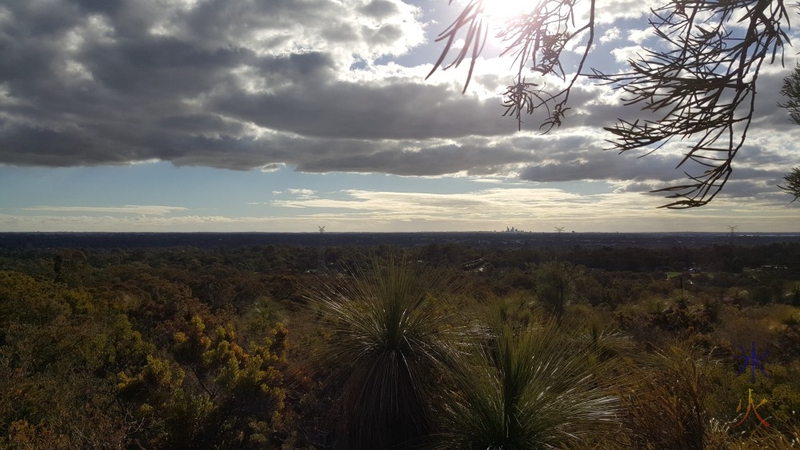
(395, 109)
(302, 193)
(610, 35)
(315, 85)
(639, 36)
(127, 209)
(531, 208)
(91, 83)
(112, 223)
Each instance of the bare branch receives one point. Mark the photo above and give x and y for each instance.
(703, 86)
(700, 81)
(792, 183)
(471, 19)
(536, 40)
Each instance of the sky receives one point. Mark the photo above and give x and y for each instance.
(287, 115)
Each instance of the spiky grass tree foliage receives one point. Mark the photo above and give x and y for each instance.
(534, 389)
(391, 339)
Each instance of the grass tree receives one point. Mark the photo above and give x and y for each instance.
(555, 286)
(390, 341)
(532, 389)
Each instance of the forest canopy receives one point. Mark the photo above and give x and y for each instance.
(438, 346)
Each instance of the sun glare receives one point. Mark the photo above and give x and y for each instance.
(498, 13)
(507, 9)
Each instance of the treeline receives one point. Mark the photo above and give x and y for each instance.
(284, 259)
(264, 347)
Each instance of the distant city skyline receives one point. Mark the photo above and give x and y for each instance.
(140, 115)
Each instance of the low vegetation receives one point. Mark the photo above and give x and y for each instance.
(367, 348)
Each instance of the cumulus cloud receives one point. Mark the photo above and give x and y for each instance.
(610, 34)
(116, 82)
(262, 85)
(301, 193)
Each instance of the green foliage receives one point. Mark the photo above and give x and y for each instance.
(391, 341)
(24, 300)
(529, 390)
(56, 347)
(124, 355)
(555, 286)
(76, 373)
(23, 435)
(212, 383)
(682, 319)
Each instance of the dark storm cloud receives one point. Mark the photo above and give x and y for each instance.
(39, 146)
(585, 161)
(439, 160)
(94, 82)
(353, 110)
(742, 184)
(602, 165)
(91, 82)
(347, 155)
(161, 69)
(200, 123)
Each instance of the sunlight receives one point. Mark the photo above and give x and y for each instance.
(499, 13)
(502, 18)
(500, 10)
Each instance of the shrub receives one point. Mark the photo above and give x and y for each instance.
(390, 342)
(534, 389)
